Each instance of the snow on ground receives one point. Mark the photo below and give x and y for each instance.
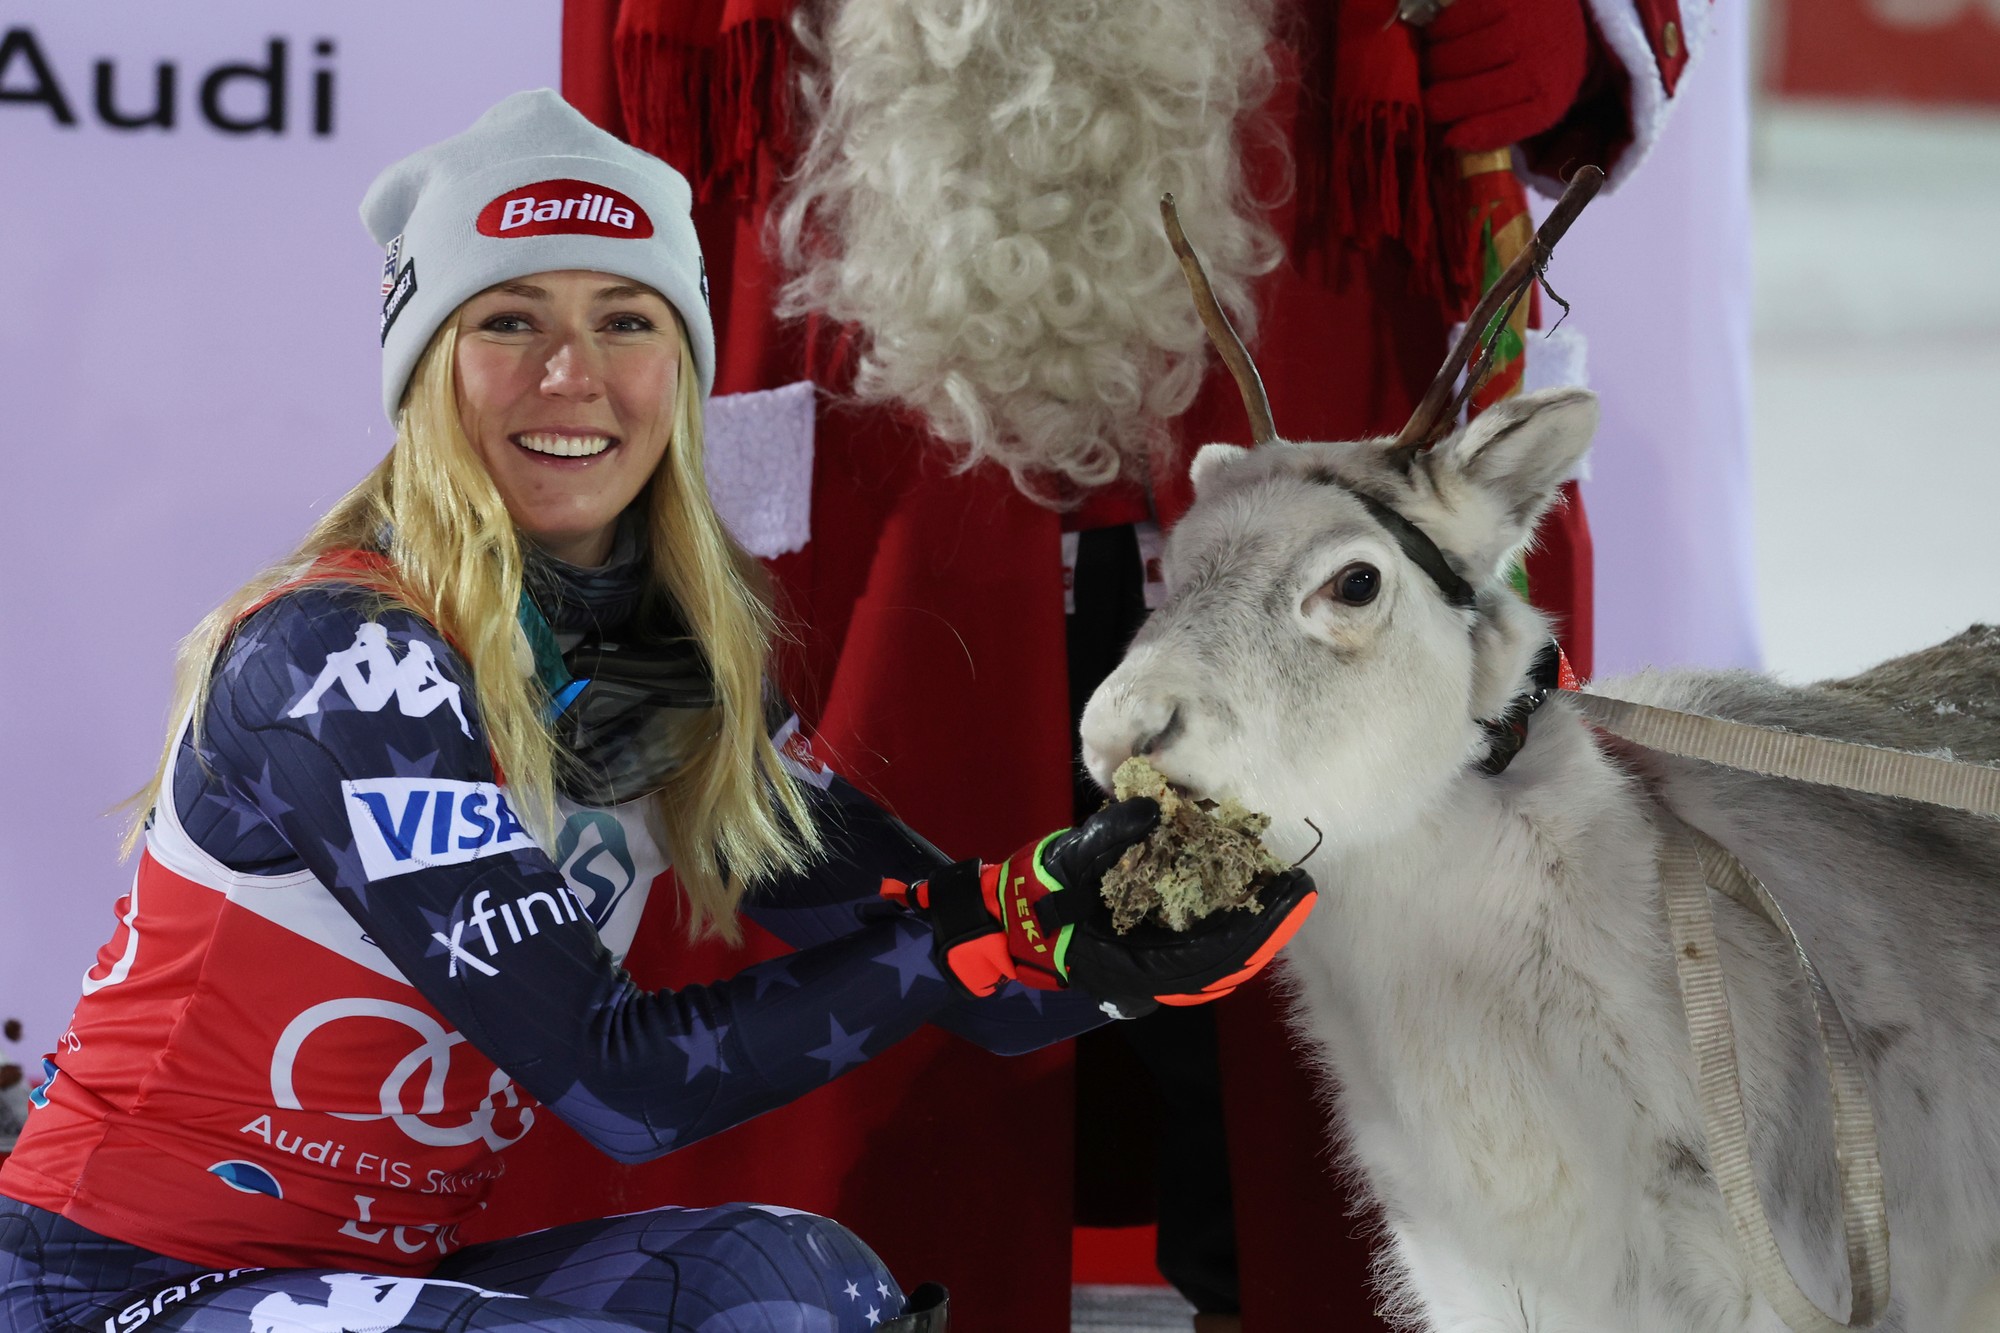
(1109, 1309)
(1876, 374)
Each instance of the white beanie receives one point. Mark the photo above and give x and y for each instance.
(530, 188)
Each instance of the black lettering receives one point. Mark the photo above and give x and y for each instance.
(271, 75)
(21, 41)
(323, 90)
(162, 113)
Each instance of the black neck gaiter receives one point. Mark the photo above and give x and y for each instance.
(576, 599)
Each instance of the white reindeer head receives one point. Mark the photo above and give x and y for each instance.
(1306, 662)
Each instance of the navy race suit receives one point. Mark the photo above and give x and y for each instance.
(348, 982)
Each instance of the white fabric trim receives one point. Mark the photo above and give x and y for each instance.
(174, 848)
(1556, 359)
(1559, 359)
(1625, 34)
(297, 902)
(760, 466)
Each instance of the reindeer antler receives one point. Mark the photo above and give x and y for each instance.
(1220, 331)
(1439, 407)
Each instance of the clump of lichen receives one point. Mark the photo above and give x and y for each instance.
(1204, 857)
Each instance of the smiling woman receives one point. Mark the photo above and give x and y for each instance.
(566, 385)
(425, 775)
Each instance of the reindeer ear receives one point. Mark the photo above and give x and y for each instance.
(1210, 462)
(1521, 449)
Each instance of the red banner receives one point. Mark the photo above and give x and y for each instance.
(1928, 51)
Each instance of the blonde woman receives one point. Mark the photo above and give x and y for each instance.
(429, 771)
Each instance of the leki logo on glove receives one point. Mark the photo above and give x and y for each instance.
(550, 208)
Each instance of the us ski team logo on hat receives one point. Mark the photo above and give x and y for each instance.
(558, 207)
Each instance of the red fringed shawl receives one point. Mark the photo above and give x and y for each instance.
(706, 85)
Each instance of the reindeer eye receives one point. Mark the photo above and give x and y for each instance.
(1357, 584)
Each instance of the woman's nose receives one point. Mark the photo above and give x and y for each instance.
(572, 371)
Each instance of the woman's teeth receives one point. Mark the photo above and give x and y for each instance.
(565, 446)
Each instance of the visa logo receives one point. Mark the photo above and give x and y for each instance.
(405, 824)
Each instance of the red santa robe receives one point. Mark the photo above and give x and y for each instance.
(929, 659)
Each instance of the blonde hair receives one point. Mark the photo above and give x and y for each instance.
(732, 814)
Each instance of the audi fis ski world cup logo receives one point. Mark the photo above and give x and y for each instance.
(549, 208)
(417, 1091)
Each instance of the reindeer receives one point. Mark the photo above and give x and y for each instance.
(1488, 980)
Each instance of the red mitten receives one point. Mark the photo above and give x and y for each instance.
(1498, 71)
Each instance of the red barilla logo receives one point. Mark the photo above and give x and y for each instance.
(559, 207)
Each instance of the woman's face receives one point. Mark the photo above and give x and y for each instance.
(566, 385)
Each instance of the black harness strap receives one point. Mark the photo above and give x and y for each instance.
(1508, 732)
(1424, 552)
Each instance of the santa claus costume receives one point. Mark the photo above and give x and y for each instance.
(952, 233)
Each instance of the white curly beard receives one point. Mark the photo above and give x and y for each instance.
(980, 194)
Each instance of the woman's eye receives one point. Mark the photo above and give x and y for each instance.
(505, 324)
(631, 324)
(1356, 585)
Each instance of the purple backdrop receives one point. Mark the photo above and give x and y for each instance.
(189, 368)
(1659, 273)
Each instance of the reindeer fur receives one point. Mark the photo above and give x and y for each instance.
(1487, 979)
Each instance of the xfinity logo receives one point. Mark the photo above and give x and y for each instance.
(547, 208)
(516, 917)
(405, 824)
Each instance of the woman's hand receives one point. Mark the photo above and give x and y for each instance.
(1038, 918)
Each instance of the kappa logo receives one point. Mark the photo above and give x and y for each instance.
(549, 208)
(355, 1303)
(371, 677)
(405, 824)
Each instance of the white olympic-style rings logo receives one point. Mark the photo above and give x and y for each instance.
(432, 1055)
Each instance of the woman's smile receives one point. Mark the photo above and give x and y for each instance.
(566, 385)
(565, 446)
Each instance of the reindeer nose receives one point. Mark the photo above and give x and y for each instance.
(1119, 724)
(1162, 737)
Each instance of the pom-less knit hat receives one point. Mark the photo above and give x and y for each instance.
(531, 187)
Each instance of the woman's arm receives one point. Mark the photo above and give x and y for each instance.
(354, 732)
(867, 844)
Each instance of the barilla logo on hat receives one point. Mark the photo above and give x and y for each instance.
(550, 208)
